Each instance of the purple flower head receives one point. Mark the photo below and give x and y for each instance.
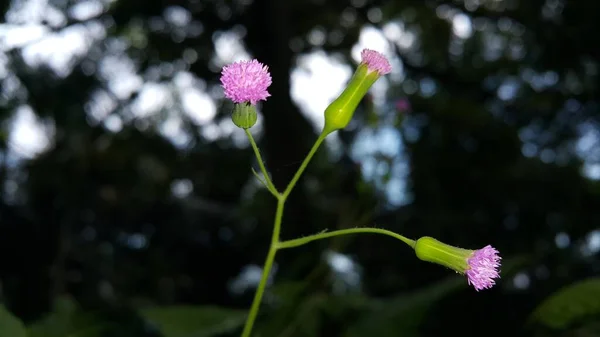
(246, 81)
(483, 268)
(375, 61)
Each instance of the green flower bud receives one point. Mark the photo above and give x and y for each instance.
(244, 115)
(431, 250)
(481, 266)
(339, 113)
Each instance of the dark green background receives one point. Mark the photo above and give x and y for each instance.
(469, 181)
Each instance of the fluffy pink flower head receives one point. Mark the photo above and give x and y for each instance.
(483, 268)
(246, 81)
(375, 61)
(480, 266)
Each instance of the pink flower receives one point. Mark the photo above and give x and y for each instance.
(246, 81)
(483, 268)
(375, 61)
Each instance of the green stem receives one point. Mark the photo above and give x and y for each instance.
(298, 174)
(266, 270)
(268, 181)
(281, 199)
(325, 235)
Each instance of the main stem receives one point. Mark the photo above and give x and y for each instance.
(281, 199)
(266, 269)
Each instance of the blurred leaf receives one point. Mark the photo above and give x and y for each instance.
(406, 312)
(402, 313)
(569, 305)
(194, 321)
(66, 320)
(10, 325)
(298, 318)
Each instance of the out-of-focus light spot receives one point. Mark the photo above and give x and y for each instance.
(16, 36)
(137, 241)
(173, 130)
(198, 106)
(181, 188)
(347, 274)
(505, 24)
(348, 17)
(35, 11)
(472, 5)
(316, 82)
(592, 243)
(591, 171)
(508, 90)
(521, 281)
(85, 10)
(152, 98)
(249, 278)
(443, 11)
(384, 141)
(100, 106)
(372, 38)
(317, 36)
(335, 37)
(211, 132)
(113, 123)
(428, 87)
(121, 76)
(461, 26)
(190, 56)
(529, 150)
(358, 3)
(228, 48)
(29, 136)
(375, 15)
(562, 240)
(177, 16)
(60, 51)
(548, 156)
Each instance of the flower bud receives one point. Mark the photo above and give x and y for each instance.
(339, 113)
(244, 115)
(480, 266)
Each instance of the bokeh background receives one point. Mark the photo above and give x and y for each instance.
(128, 207)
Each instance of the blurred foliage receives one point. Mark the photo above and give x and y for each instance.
(184, 321)
(574, 304)
(10, 325)
(139, 215)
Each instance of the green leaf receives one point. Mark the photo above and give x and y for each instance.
(406, 312)
(66, 320)
(402, 313)
(10, 325)
(569, 305)
(193, 321)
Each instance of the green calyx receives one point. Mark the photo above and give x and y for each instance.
(339, 113)
(244, 115)
(431, 250)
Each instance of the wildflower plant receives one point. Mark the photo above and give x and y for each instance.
(247, 82)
